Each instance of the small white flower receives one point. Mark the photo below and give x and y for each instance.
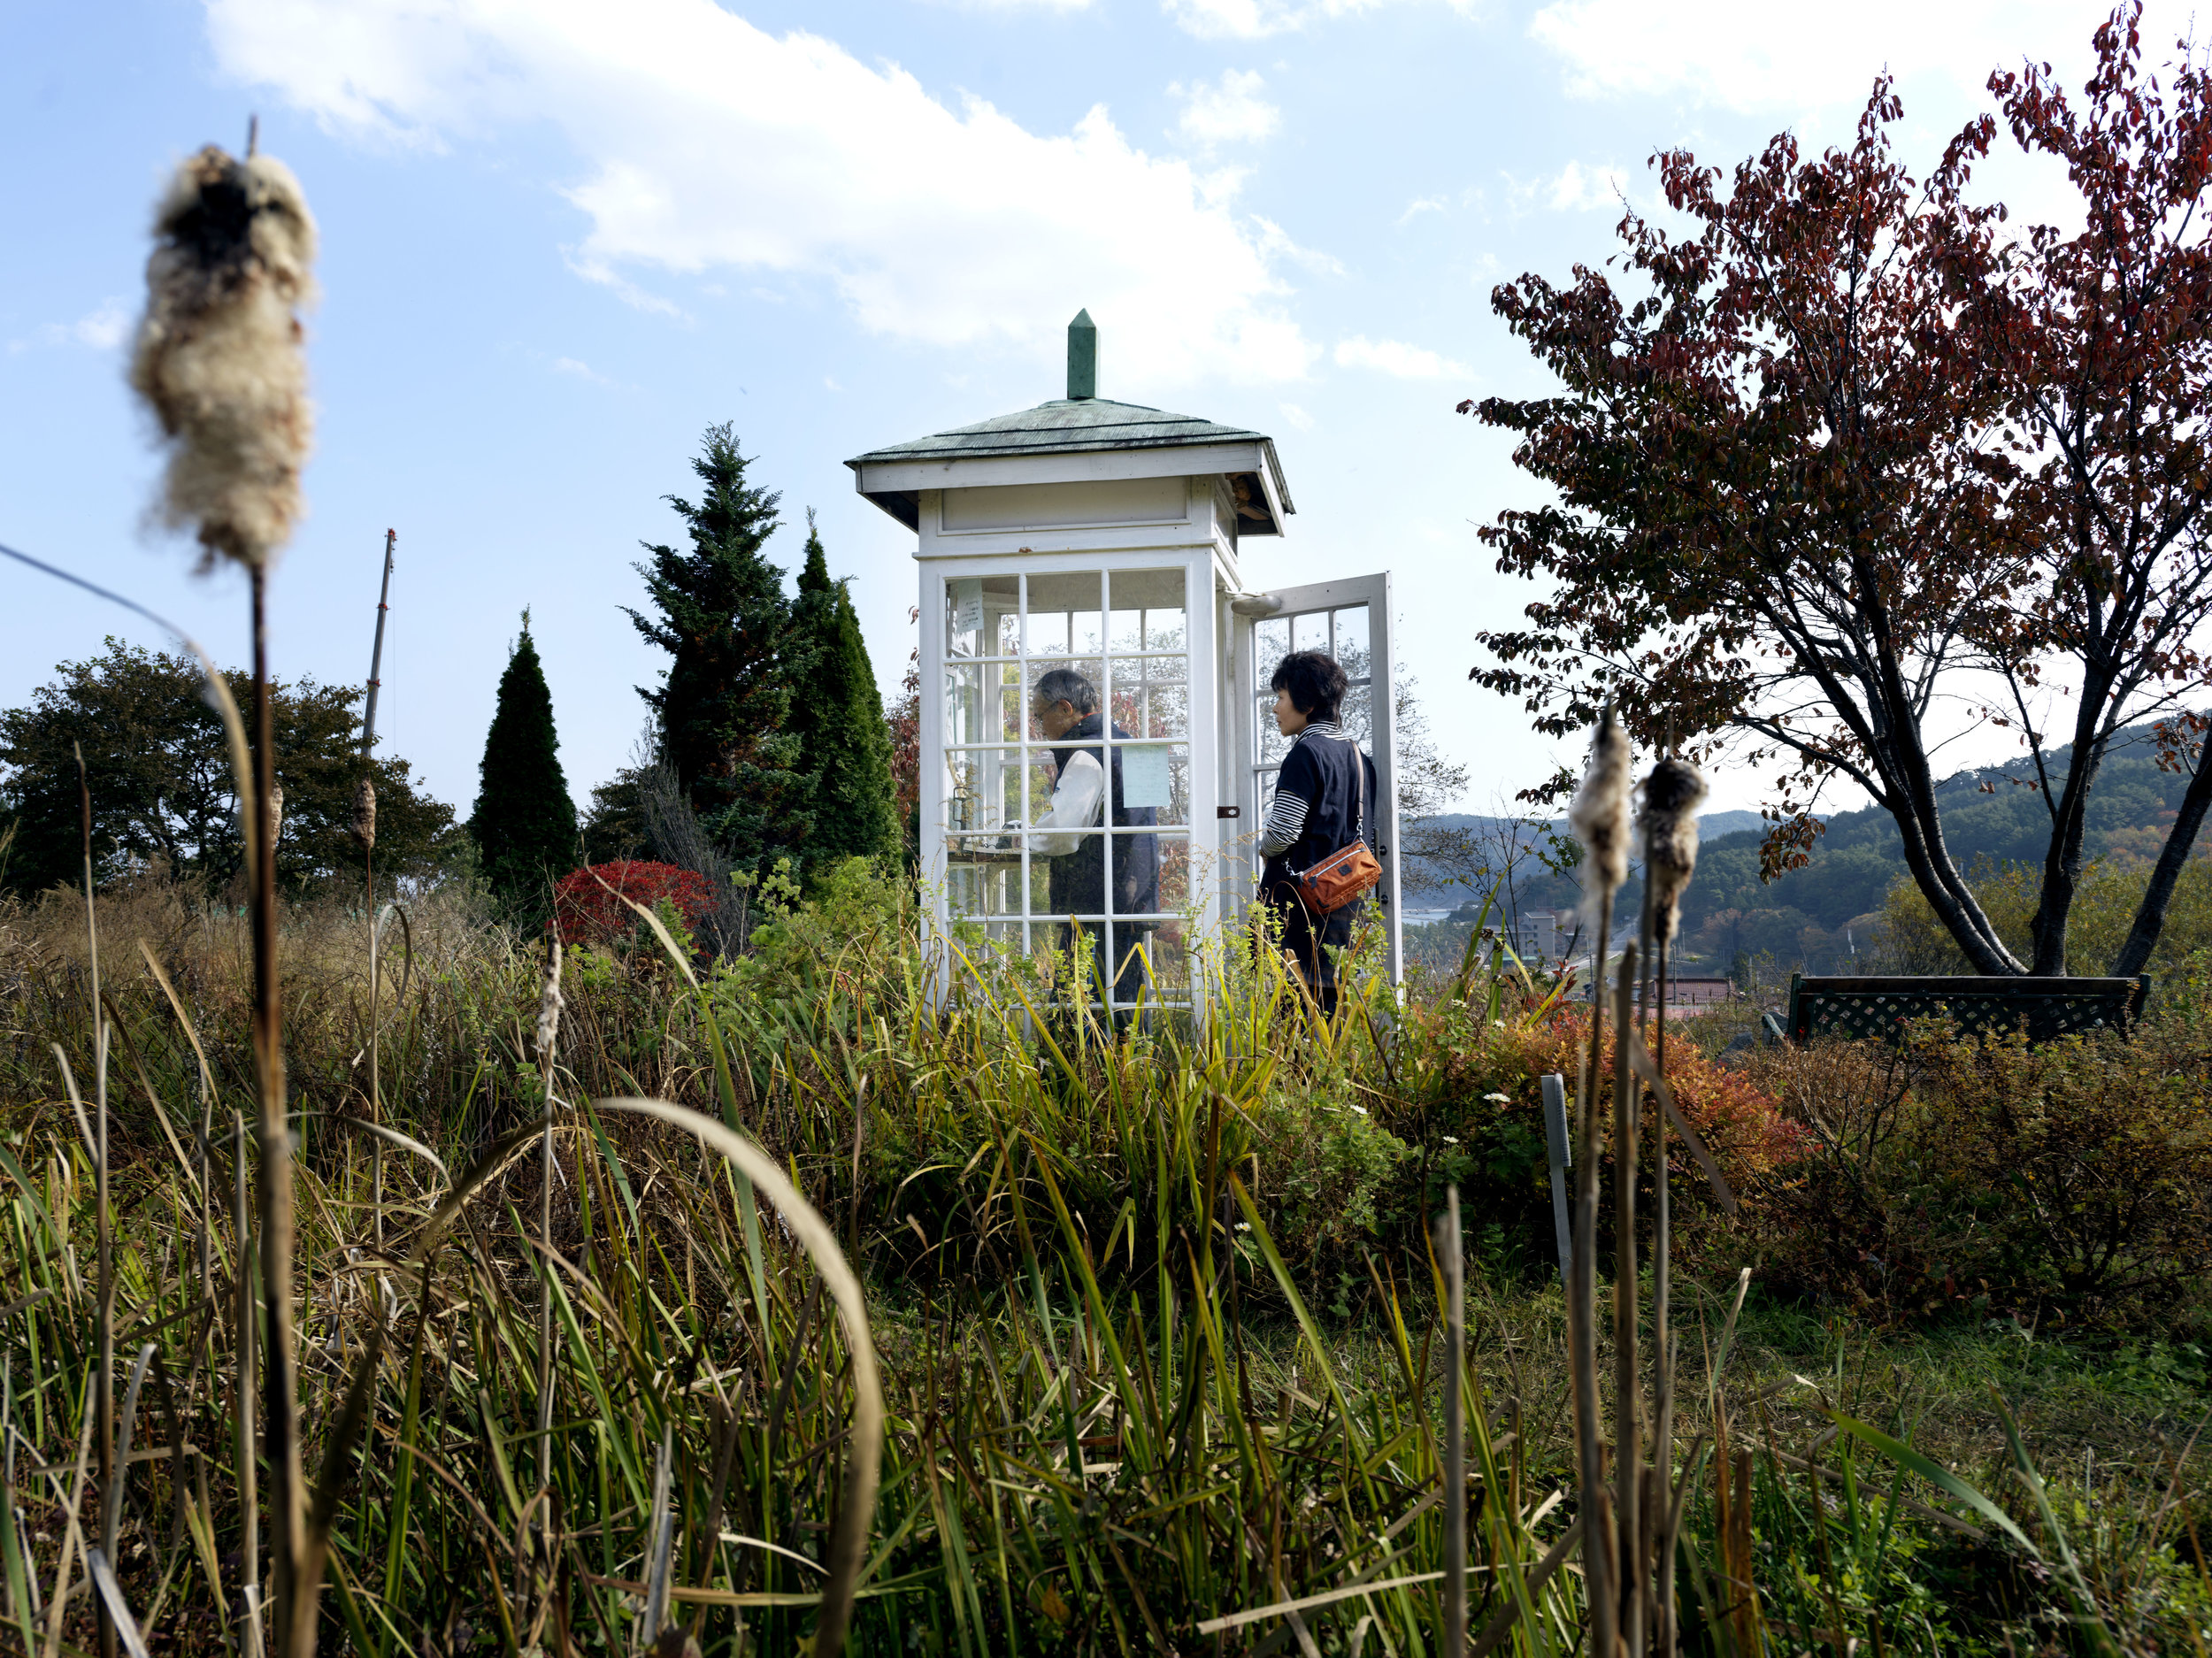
(1361, 1110)
(1502, 1099)
(1244, 1225)
(1451, 1139)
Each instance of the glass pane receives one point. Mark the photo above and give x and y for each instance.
(1352, 654)
(1065, 617)
(984, 791)
(1151, 697)
(965, 707)
(1013, 703)
(964, 889)
(1357, 715)
(1167, 958)
(1273, 744)
(981, 614)
(1074, 877)
(1039, 777)
(1270, 643)
(1155, 776)
(1174, 872)
(1046, 680)
(1148, 610)
(1311, 631)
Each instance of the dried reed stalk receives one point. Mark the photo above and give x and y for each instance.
(217, 360)
(1667, 826)
(1598, 817)
(104, 1384)
(1454, 1472)
(548, 1036)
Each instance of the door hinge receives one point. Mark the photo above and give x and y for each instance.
(1228, 811)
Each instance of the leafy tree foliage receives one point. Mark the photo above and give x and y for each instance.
(163, 793)
(1844, 454)
(525, 823)
(722, 616)
(837, 715)
(614, 824)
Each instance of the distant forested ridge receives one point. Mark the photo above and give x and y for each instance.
(1993, 815)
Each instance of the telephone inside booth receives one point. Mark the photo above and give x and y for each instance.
(1097, 749)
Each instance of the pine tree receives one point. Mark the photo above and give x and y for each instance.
(838, 718)
(724, 707)
(525, 823)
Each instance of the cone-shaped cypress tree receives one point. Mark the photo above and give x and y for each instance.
(838, 718)
(525, 823)
(724, 707)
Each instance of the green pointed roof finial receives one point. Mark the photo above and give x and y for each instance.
(1082, 358)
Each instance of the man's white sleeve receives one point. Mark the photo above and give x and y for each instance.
(1076, 799)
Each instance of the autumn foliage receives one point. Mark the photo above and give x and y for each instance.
(1836, 445)
(588, 907)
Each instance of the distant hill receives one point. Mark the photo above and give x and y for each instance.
(1815, 916)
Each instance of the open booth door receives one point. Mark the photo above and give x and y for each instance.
(1350, 619)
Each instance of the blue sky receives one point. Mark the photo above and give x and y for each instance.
(561, 238)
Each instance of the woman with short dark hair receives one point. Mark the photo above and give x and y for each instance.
(1324, 799)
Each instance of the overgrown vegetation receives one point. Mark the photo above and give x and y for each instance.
(1155, 1311)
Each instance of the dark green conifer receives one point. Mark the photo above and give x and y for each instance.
(725, 705)
(525, 823)
(838, 716)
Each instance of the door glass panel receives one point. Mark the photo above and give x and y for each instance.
(1358, 714)
(1351, 651)
(1311, 631)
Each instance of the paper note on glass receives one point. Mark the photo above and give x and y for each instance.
(967, 605)
(1144, 775)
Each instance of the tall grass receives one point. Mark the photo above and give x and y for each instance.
(577, 1416)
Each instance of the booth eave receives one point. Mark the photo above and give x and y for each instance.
(1090, 425)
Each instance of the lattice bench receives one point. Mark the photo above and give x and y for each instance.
(1879, 1007)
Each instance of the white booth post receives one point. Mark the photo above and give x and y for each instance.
(1104, 538)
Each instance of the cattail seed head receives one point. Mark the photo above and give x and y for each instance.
(1599, 816)
(550, 1003)
(1668, 824)
(218, 358)
(364, 815)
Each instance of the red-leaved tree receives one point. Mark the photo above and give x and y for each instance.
(1853, 446)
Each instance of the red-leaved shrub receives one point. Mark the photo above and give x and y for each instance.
(586, 912)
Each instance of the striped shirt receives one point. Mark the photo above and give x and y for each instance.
(1286, 817)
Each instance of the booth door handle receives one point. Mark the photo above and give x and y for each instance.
(1228, 811)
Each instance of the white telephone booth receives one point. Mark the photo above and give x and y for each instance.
(1108, 538)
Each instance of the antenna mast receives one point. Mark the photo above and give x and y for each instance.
(376, 656)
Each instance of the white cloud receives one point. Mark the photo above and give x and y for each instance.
(1297, 417)
(1426, 205)
(580, 370)
(1254, 19)
(1579, 186)
(1230, 111)
(1753, 55)
(1395, 357)
(1275, 244)
(707, 146)
(102, 328)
